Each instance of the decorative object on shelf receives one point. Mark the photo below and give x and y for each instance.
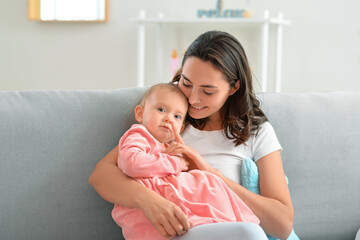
(220, 13)
(174, 64)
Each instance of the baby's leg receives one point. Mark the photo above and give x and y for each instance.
(225, 231)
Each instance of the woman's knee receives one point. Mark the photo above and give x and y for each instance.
(251, 231)
(225, 231)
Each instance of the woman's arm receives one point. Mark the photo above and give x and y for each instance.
(273, 206)
(114, 186)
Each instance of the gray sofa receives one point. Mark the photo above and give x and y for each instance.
(50, 141)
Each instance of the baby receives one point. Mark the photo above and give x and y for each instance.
(203, 196)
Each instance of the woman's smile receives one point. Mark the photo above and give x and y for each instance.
(195, 108)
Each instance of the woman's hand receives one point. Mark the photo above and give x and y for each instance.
(166, 217)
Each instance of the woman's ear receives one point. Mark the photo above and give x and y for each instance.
(139, 110)
(235, 87)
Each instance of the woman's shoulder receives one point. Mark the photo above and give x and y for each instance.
(264, 141)
(265, 130)
(265, 126)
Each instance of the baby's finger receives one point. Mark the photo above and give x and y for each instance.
(176, 151)
(170, 148)
(176, 134)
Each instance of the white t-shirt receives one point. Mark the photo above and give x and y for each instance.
(221, 152)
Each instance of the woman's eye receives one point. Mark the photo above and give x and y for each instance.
(185, 84)
(178, 117)
(208, 93)
(161, 109)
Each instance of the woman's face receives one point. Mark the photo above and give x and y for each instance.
(205, 87)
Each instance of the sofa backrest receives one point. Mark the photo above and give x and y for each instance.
(51, 141)
(320, 136)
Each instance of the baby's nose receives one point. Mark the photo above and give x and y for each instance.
(167, 119)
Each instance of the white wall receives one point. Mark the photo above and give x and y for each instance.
(321, 48)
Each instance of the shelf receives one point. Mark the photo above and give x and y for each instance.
(212, 20)
(263, 23)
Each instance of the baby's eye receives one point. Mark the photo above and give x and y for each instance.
(161, 109)
(178, 117)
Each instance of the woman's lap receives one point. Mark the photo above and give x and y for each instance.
(225, 231)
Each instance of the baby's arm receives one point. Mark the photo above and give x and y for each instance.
(137, 158)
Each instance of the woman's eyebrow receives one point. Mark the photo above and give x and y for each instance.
(205, 86)
(185, 78)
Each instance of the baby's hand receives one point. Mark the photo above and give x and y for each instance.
(179, 147)
(184, 164)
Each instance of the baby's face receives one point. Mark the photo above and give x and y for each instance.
(161, 108)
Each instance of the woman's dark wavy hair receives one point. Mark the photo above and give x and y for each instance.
(241, 113)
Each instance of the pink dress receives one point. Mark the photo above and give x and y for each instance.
(204, 197)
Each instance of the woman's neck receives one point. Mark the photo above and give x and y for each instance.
(213, 125)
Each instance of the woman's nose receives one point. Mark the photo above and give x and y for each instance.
(194, 97)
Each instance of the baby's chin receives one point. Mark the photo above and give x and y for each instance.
(170, 141)
(166, 141)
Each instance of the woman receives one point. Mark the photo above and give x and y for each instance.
(225, 126)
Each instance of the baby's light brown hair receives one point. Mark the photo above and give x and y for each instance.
(169, 86)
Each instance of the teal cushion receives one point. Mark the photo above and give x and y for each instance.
(249, 175)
